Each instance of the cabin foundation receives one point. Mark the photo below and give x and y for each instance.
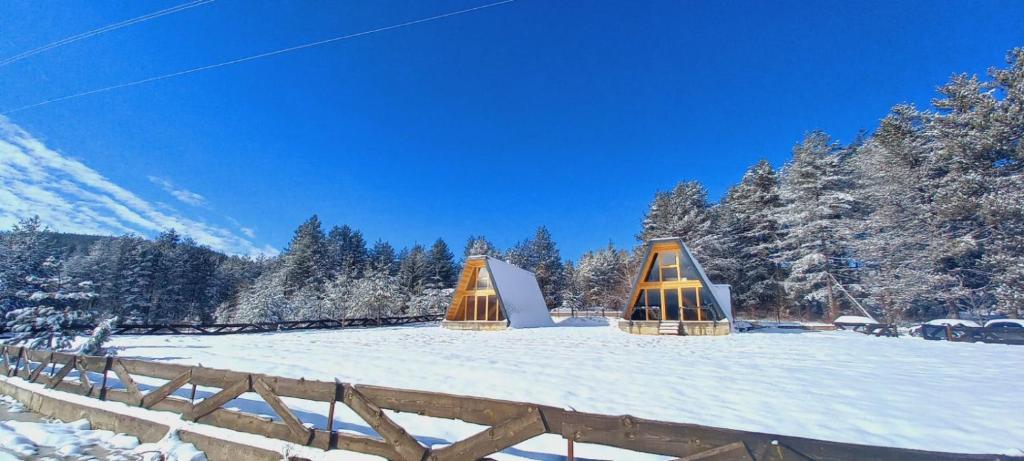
(674, 328)
(475, 325)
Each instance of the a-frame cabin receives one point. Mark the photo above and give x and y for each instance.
(672, 295)
(495, 295)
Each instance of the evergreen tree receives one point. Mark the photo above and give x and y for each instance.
(379, 295)
(1003, 209)
(684, 213)
(546, 264)
(136, 280)
(893, 192)
(414, 269)
(751, 236)
(605, 276)
(305, 258)
(99, 337)
(383, 259)
(435, 298)
(54, 305)
(264, 301)
(347, 253)
(478, 245)
(816, 206)
(23, 252)
(572, 289)
(441, 265)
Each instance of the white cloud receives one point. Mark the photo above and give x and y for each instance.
(183, 195)
(71, 197)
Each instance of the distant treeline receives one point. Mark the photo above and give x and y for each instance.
(921, 218)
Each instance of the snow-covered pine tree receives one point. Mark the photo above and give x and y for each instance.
(815, 219)
(441, 265)
(435, 298)
(478, 245)
(54, 304)
(338, 297)
(1004, 205)
(305, 259)
(572, 288)
(136, 279)
(99, 264)
(264, 301)
(546, 264)
(382, 258)
(605, 278)
(968, 155)
(347, 253)
(685, 213)
(378, 295)
(540, 255)
(1004, 256)
(170, 273)
(95, 345)
(893, 238)
(751, 236)
(413, 269)
(23, 251)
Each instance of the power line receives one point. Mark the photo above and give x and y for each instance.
(104, 29)
(258, 56)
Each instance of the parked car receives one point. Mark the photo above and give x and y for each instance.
(916, 330)
(1005, 323)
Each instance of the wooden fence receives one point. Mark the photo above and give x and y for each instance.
(509, 423)
(260, 327)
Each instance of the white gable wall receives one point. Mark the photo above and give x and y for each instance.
(520, 295)
(723, 294)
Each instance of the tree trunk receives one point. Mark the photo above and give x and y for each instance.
(952, 311)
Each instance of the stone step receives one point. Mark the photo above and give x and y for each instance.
(668, 328)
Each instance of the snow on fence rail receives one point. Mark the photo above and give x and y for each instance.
(260, 327)
(509, 423)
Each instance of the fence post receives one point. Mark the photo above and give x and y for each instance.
(17, 363)
(103, 385)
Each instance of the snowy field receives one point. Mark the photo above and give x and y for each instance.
(840, 386)
(27, 436)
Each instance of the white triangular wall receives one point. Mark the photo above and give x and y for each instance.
(520, 295)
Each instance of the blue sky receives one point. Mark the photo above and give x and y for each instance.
(567, 114)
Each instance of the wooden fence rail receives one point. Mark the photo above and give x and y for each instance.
(509, 423)
(260, 327)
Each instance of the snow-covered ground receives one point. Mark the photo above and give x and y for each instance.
(26, 436)
(842, 386)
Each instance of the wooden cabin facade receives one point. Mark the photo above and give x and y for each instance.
(672, 295)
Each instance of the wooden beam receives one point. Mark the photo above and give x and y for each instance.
(162, 392)
(737, 451)
(217, 400)
(34, 375)
(404, 444)
(83, 377)
(494, 439)
(126, 380)
(64, 370)
(300, 433)
(307, 389)
(476, 410)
